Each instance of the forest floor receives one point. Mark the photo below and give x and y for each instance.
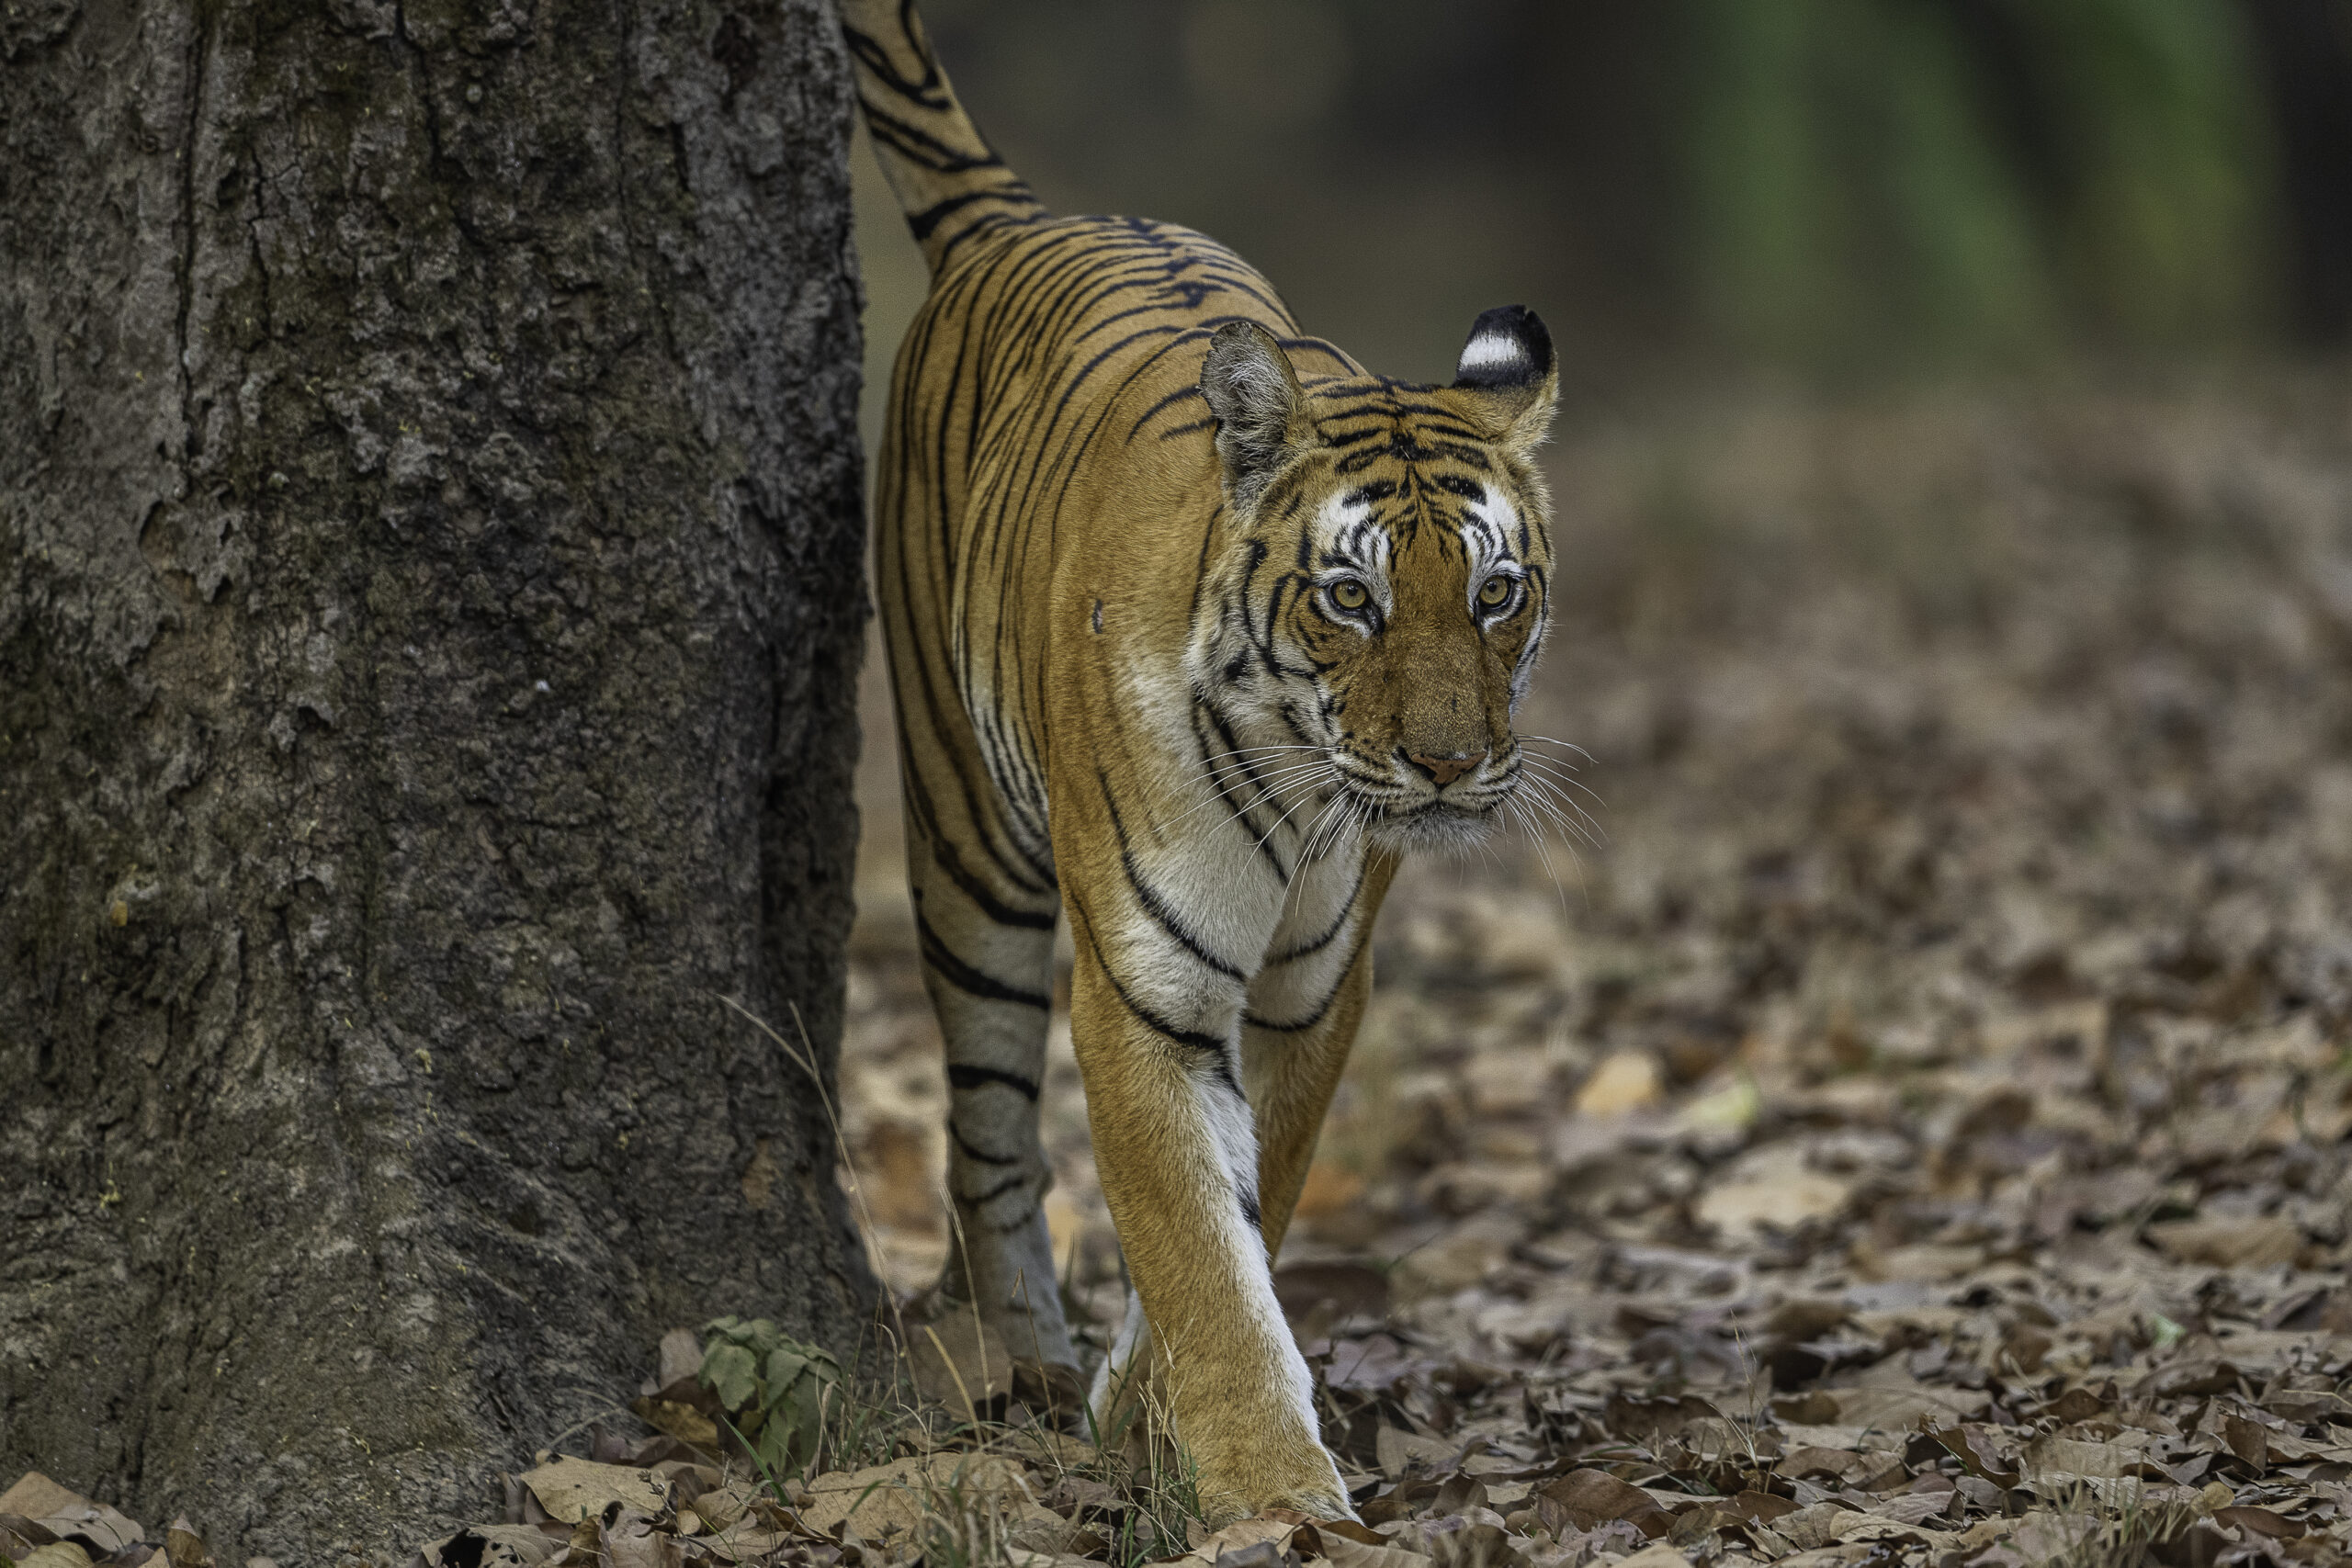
(1917, 1133)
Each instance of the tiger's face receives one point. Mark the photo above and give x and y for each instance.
(1386, 585)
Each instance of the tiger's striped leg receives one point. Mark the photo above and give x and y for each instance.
(987, 943)
(1179, 1162)
(1290, 1063)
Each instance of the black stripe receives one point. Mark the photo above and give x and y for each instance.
(1000, 1190)
(921, 224)
(945, 855)
(1149, 1019)
(966, 978)
(961, 1076)
(1164, 914)
(1322, 1009)
(972, 1154)
(1347, 911)
(1248, 770)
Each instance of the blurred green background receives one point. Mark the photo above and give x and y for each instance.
(1833, 188)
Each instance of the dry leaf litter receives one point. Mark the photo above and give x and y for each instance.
(1917, 1137)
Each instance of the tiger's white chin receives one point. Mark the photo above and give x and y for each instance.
(1436, 826)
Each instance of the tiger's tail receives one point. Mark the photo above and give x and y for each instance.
(949, 181)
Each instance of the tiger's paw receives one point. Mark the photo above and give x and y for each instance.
(1318, 1496)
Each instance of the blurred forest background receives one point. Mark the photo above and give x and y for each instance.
(1954, 488)
(1832, 185)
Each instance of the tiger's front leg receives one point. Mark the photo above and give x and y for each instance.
(1157, 1037)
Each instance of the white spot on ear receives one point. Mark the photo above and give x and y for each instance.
(1490, 349)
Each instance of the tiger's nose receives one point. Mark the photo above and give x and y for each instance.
(1443, 771)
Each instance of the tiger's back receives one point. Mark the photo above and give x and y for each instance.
(1049, 384)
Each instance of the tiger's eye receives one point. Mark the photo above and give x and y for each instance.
(1348, 595)
(1494, 590)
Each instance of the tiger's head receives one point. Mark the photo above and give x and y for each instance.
(1382, 585)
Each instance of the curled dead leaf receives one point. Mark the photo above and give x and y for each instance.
(574, 1489)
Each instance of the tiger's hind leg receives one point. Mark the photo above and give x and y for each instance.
(985, 926)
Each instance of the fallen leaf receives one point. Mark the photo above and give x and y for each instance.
(33, 1495)
(1918, 1262)
(2261, 1243)
(1400, 1452)
(1351, 1289)
(2259, 1521)
(66, 1514)
(1348, 1551)
(2248, 1440)
(1591, 1497)
(1625, 1081)
(183, 1548)
(1877, 1527)
(489, 1546)
(1329, 1189)
(1900, 1407)
(56, 1555)
(1770, 1189)
(1980, 1451)
(574, 1489)
(882, 1499)
(1240, 1537)
(1812, 1461)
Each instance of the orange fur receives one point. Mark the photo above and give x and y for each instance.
(1194, 629)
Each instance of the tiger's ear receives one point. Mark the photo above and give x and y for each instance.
(1513, 376)
(1260, 412)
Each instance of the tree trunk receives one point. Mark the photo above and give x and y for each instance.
(430, 605)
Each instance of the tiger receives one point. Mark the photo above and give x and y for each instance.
(1194, 629)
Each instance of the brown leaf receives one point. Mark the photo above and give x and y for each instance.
(56, 1555)
(683, 1422)
(1980, 1451)
(1351, 1289)
(2228, 1244)
(892, 1497)
(69, 1516)
(1806, 1317)
(2259, 1521)
(2193, 1376)
(1815, 1464)
(1814, 1408)
(1400, 1452)
(34, 1495)
(1625, 1081)
(2248, 1440)
(184, 1547)
(2075, 1404)
(1591, 1497)
(1243, 1535)
(1348, 1544)
(1374, 1364)
(1473, 1546)
(1878, 1527)
(1771, 1189)
(1761, 1506)
(574, 1489)
(1899, 1406)
(1644, 1420)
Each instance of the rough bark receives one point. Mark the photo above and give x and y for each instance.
(430, 601)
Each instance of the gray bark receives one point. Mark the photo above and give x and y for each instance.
(430, 604)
